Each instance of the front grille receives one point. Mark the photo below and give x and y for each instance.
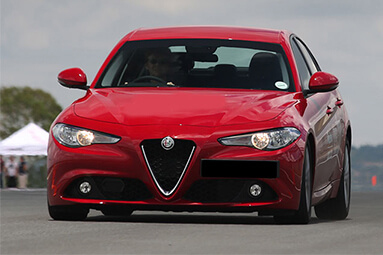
(227, 191)
(167, 167)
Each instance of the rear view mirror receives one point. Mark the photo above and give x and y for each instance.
(74, 78)
(322, 82)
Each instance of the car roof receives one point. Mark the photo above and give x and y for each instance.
(208, 32)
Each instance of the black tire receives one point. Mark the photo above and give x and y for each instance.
(303, 214)
(337, 208)
(74, 213)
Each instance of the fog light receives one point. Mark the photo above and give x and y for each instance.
(255, 190)
(85, 187)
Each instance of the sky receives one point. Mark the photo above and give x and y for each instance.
(40, 38)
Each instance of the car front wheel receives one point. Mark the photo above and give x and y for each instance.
(303, 214)
(338, 207)
(74, 213)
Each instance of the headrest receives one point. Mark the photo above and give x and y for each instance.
(225, 69)
(185, 61)
(265, 70)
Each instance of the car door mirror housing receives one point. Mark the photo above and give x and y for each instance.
(74, 78)
(322, 82)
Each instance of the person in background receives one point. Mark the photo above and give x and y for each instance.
(23, 173)
(1, 171)
(11, 172)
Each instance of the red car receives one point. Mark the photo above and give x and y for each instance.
(222, 119)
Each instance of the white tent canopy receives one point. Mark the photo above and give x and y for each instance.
(30, 140)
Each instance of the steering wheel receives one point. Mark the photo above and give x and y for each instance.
(149, 78)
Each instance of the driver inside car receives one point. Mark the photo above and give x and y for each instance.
(159, 63)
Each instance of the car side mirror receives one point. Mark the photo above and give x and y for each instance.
(73, 78)
(322, 82)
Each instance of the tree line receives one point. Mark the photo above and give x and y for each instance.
(22, 105)
(366, 164)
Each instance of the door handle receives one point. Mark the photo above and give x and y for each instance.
(339, 102)
(329, 110)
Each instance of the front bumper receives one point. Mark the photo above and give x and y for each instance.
(217, 178)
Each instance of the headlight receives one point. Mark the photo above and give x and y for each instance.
(77, 137)
(266, 140)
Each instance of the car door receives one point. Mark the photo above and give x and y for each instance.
(325, 120)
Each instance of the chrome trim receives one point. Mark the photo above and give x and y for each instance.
(167, 193)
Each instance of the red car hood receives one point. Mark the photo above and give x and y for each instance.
(175, 106)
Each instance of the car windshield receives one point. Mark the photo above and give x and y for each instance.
(202, 63)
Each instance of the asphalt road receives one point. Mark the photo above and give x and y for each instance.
(27, 229)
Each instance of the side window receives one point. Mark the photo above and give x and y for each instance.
(110, 76)
(310, 60)
(304, 72)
